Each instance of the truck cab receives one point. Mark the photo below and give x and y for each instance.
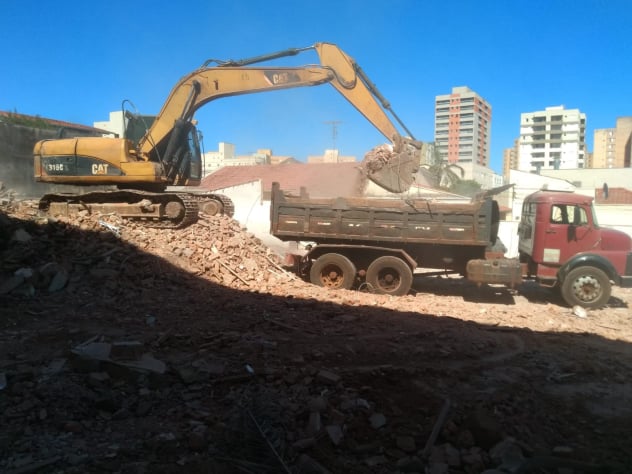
(563, 246)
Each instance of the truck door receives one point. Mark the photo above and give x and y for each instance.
(526, 227)
(569, 232)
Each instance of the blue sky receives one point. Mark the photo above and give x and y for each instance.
(78, 60)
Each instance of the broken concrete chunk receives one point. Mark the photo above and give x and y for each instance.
(335, 434)
(20, 235)
(508, 454)
(378, 420)
(148, 363)
(94, 350)
(59, 280)
(327, 377)
(126, 350)
(354, 404)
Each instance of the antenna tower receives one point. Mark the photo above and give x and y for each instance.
(334, 130)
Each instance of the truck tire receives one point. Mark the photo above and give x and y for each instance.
(389, 276)
(586, 286)
(334, 271)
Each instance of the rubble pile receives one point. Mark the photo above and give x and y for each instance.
(131, 349)
(215, 249)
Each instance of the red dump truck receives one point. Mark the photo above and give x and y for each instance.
(378, 244)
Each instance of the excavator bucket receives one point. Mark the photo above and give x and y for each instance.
(391, 168)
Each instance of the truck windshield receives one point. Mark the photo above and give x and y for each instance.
(568, 214)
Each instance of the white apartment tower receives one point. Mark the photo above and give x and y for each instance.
(463, 128)
(554, 138)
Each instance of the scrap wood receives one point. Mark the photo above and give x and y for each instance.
(436, 429)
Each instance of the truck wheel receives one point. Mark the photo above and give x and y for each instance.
(587, 286)
(334, 271)
(389, 276)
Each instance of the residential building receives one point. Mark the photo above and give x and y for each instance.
(510, 159)
(226, 156)
(603, 148)
(623, 143)
(116, 124)
(553, 138)
(612, 145)
(331, 156)
(485, 176)
(463, 127)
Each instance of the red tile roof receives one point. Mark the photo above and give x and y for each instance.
(51, 122)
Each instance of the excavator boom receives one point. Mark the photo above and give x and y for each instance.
(168, 154)
(336, 68)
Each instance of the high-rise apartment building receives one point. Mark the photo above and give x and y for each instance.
(463, 127)
(603, 148)
(612, 145)
(554, 138)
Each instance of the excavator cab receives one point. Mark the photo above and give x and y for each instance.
(182, 159)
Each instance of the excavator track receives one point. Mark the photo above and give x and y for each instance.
(157, 210)
(225, 207)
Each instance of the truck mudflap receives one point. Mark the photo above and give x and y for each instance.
(506, 271)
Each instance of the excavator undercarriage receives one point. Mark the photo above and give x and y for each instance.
(157, 210)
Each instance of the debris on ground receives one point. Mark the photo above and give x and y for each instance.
(131, 349)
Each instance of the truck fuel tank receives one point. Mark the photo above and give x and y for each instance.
(507, 271)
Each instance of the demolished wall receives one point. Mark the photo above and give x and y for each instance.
(16, 158)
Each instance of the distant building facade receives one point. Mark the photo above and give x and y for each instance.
(116, 125)
(331, 156)
(554, 138)
(226, 156)
(612, 146)
(463, 127)
(510, 160)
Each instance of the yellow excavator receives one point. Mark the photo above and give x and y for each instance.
(168, 151)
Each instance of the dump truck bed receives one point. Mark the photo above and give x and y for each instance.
(370, 221)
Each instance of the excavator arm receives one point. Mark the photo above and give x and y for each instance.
(393, 171)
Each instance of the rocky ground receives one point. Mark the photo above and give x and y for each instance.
(135, 350)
